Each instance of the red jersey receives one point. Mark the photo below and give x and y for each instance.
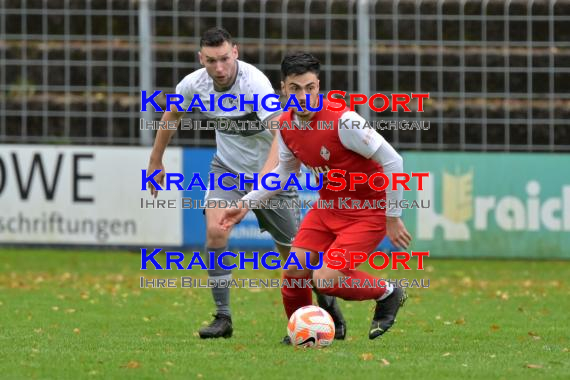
(321, 150)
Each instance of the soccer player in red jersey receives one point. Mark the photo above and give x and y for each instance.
(347, 147)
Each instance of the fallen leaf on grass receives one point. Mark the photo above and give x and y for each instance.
(503, 295)
(446, 354)
(239, 347)
(460, 321)
(534, 335)
(566, 350)
(367, 356)
(170, 364)
(495, 327)
(132, 364)
(76, 330)
(385, 362)
(533, 366)
(555, 283)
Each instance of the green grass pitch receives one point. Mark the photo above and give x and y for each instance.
(71, 314)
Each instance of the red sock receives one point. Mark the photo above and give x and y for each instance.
(355, 288)
(295, 297)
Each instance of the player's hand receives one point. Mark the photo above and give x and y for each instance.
(159, 178)
(231, 217)
(397, 232)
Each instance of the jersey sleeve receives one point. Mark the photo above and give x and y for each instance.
(286, 156)
(185, 89)
(392, 163)
(362, 140)
(288, 164)
(259, 84)
(368, 143)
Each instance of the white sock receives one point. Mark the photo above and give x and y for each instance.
(389, 290)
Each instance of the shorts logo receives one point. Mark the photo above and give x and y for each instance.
(325, 153)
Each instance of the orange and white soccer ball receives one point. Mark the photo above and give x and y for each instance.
(311, 326)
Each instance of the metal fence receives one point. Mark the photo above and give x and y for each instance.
(498, 72)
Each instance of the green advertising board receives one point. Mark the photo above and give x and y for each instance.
(500, 205)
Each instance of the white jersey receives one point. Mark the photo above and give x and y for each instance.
(241, 151)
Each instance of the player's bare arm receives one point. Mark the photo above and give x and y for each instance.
(397, 232)
(233, 216)
(273, 156)
(163, 137)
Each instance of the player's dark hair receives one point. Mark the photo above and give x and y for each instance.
(216, 37)
(298, 64)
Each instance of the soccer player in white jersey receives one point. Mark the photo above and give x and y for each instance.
(238, 151)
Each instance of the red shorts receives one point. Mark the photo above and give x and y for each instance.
(353, 230)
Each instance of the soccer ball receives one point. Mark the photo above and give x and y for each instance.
(311, 326)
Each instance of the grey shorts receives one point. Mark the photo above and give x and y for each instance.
(282, 224)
